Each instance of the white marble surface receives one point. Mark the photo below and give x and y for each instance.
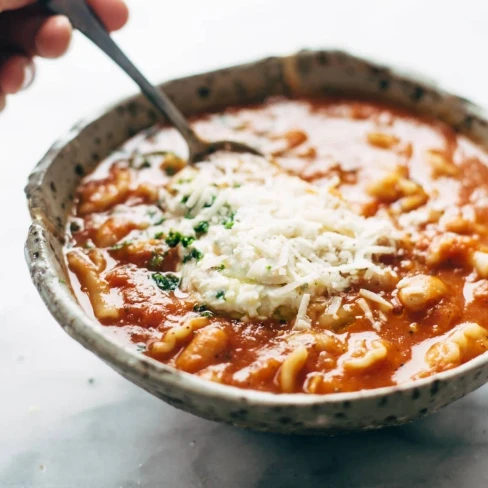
(67, 420)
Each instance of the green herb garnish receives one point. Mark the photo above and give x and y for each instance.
(228, 222)
(159, 221)
(220, 294)
(187, 241)
(202, 310)
(221, 267)
(209, 204)
(193, 254)
(201, 227)
(173, 238)
(166, 281)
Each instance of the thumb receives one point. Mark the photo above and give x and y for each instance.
(14, 4)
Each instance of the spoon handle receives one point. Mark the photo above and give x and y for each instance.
(86, 21)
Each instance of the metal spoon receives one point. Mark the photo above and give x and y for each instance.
(85, 20)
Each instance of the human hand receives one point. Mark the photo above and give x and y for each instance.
(27, 31)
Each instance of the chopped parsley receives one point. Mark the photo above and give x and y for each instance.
(159, 235)
(228, 222)
(269, 267)
(220, 294)
(201, 227)
(212, 200)
(202, 310)
(193, 254)
(159, 221)
(185, 198)
(221, 267)
(187, 240)
(166, 281)
(173, 238)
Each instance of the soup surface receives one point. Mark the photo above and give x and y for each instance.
(354, 256)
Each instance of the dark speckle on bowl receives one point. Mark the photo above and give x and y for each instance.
(204, 92)
(417, 94)
(79, 170)
(434, 389)
(384, 84)
(322, 58)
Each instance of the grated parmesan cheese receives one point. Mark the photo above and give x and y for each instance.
(274, 241)
(302, 321)
(375, 297)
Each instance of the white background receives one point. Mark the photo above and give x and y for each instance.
(59, 430)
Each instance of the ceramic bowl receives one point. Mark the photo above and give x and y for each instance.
(314, 73)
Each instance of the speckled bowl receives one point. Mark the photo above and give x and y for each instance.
(50, 194)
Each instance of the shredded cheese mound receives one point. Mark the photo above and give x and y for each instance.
(268, 242)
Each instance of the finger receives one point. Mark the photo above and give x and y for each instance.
(113, 13)
(32, 31)
(3, 101)
(18, 29)
(53, 37)
(14, 4)
(16, 73)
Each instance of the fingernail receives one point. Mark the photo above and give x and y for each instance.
(29, 73)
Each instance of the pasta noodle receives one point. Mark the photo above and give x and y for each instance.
(365, 355)
(290, 368)
(178, 334)
(88, 272)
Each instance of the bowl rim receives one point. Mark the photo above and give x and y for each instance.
(86, 330)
